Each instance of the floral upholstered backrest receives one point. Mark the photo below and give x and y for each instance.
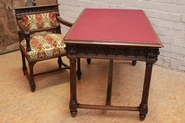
(38, 21)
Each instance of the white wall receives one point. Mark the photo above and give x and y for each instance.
(166, 16)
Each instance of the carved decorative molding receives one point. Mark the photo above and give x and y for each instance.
(113, 51)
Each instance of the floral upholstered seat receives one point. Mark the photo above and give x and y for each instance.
(45, 45)
(42, 45)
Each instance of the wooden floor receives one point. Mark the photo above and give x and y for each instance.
(50, 102)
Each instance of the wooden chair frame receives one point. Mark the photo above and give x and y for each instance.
(24, 33)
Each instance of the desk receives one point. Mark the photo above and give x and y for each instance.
(115, 34)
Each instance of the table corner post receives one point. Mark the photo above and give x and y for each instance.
(73, 101)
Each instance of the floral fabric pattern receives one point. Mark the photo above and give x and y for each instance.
(37, 21)
(43, 46)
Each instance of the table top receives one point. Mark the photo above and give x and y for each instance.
(113, 27)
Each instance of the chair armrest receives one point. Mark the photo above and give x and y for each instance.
(26, 33)
(64, 22)
(22, 28)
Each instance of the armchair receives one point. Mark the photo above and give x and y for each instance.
(40, 37)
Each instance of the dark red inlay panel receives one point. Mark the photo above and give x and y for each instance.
(113, 25)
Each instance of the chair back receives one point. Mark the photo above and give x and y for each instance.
(38, 18)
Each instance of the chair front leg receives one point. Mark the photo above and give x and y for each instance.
(24, 68)
(31, 76)
(59, 62)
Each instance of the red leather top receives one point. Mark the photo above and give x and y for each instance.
(112, 25)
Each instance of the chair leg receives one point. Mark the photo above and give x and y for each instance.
(134, 62)
(24, 68)
(31, 77)
(59, 62)
(88, 60)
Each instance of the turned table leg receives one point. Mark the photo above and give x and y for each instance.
(73, 100)
(143, 109)
(109, 86)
